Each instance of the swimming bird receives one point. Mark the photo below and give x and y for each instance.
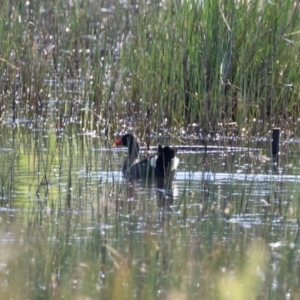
(160, 165)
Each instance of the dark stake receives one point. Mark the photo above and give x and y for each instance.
(275, 142)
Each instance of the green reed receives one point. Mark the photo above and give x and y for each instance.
(95, 238)
(215, 61)
(190, 61)
(66, 255)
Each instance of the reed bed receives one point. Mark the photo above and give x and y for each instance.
(76, 73)
(211, 62)
(187, 61)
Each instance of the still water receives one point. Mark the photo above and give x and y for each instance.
(71, 226)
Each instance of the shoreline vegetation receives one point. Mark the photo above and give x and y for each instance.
(210, 63)
(77, 73)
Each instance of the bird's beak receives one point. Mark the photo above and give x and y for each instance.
(118, 142)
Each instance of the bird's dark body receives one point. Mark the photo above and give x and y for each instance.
(158, 165)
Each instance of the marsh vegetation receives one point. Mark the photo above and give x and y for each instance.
(77, 74)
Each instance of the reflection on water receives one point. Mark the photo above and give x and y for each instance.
(66, 208)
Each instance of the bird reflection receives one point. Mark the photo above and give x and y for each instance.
(130, 193)
(164, 192)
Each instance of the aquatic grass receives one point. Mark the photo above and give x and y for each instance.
(210, 62)
(213, 62)
(248, 196)
(98, 236)
(51, 54)
(87, 250)
(248, 284)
